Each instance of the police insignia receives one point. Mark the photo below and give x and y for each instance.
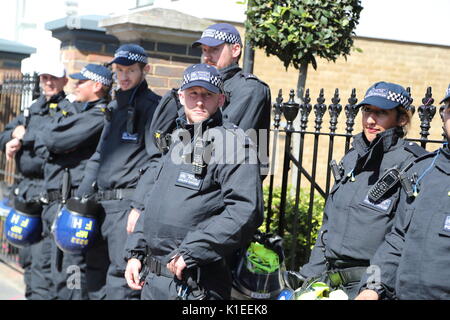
(187, 179)
(447, 223)
(127, 137)
(383, 205)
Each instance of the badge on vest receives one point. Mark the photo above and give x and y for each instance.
(447, 224)
(189, 180)
(383, 205)
(128, 137)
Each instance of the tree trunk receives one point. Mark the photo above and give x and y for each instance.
(302, 81)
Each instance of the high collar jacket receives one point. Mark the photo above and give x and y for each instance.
(121, 152)
(353, 227)
(414, 258)
(248, 102)
(248, 105)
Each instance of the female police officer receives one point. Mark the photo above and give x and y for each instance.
(199, 211)
(362, 203)
(413, 260)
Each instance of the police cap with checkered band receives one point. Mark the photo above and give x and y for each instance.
(386, 95)
(129, 54)
(94, 72)
(217, 34)
(202, 75)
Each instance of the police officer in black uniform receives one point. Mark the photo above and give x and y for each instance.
(19, 142)
(362, 203)
(206, 201)
(115, 167)
(70, 139)
(247, 105)
(412, 263)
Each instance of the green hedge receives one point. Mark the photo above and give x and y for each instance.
(301, 254)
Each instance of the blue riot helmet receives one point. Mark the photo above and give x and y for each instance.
(23, 225)
(76, 225)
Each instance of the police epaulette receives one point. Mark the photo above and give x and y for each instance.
(415, 149)
(249, 76)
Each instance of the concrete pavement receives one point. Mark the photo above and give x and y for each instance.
(12, 286)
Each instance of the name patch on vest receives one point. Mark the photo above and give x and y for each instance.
(187, 179)
(129, 137)
(447, 224)
(383, 205)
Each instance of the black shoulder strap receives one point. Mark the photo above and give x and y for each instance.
(415, 149)
(419, 158)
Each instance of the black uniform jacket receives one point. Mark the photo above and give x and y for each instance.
(414, 259)
(353, 227)
(120, 153)
(248, 106)
(30, 162)
(208, 216)
(71, 138)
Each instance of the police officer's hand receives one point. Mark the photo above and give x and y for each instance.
(18, 132)
(176, 266)
(132, 219)
(132, 274)
(12, 147)
(367, 295)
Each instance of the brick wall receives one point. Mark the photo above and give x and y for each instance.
(167, 63)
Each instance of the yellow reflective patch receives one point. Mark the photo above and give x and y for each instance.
(53, 105)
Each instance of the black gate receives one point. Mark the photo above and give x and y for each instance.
(291, 211)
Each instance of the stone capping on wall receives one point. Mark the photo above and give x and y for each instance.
(156, 24)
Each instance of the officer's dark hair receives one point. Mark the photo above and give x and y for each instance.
(107, 92)
(402, 112)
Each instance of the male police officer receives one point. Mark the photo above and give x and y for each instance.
(247, 105)
(18, 140)
(199, 211)
(71, 138)
(412, 262)
(115, 167)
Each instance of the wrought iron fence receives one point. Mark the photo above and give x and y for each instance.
(17, 91)
(294, 132)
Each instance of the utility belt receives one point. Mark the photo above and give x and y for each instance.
(55, 195)
(115, 194)
(155, 266)
(346, 276)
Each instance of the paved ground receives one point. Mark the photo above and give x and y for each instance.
(11, 283)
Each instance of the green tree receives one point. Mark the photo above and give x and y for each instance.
(298, 31)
